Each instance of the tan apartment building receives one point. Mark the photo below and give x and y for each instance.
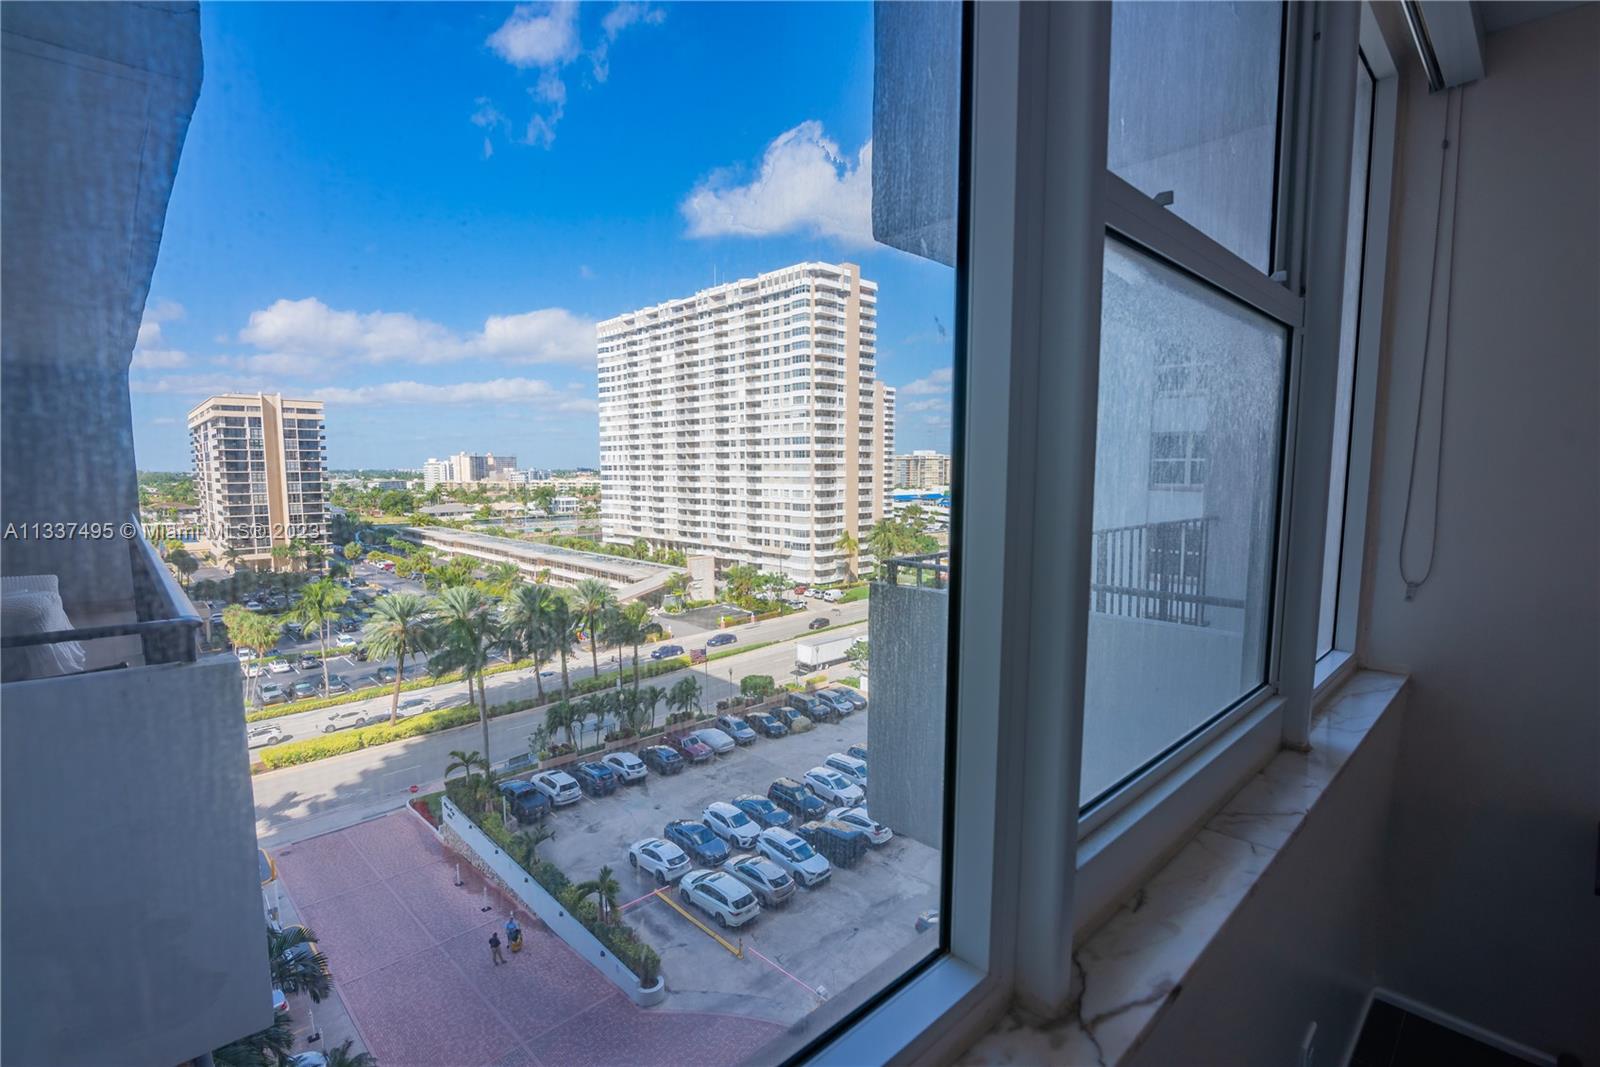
(260, 465)
(746, 422)
(921, 469)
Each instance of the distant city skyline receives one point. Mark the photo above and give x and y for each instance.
(418, 219)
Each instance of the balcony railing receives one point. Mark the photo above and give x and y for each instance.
(931, 570)
(1156, 571)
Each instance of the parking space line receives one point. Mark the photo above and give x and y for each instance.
(736, 950)
(636, 900)
(808, 988)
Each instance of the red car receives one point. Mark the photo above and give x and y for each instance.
(693, 749)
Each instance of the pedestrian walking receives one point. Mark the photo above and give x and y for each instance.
(494, 949)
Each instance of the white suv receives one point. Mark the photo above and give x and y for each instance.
(791, 852)
(721, 896)
(559, 786)
(661, 858)
(626, 766)
(833, 787)
(731, 824)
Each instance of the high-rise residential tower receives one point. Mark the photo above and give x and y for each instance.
(746, 421)
(921, 469)
(260, 472)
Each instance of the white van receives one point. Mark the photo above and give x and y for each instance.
(833, 596)
(852, 768)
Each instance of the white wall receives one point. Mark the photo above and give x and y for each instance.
(1492, 912)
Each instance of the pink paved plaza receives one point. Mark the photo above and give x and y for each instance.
(409, 952)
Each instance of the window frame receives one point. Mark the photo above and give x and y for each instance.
(1033, 220)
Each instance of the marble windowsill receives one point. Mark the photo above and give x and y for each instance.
(1130, 968)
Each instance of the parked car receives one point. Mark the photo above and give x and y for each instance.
(280, 666)
(264, 735)
(839, 692)
(812, 708)
(842, 705)
(559, 786)
(715, 739)
(386, 675)
(877, 833)
(337, 684)
(308, 662)
(821, 622)
(736, 728)
(790, 851)
(796, 799)
(858, 751)
(770, 883)
(526, 801)
(596, 778)
(254, 670)
(626, 766)
(345, 640)
(663, 759)
(840, 844)
(833, 596)
(666, 652)
(833, 787)
(666, 861)
(690, 747)
(273, 693)
(306, 688)
(716, 640)
(343, 718)
(359, 653)
(730, 824)
(721, 896)
(216, 618)
(695, 838)
(849, 766)
(763, 811)
(766, 724)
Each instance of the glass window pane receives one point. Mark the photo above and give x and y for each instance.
(1181, 571)
(1349, 325)
(643, 442)
(1204, 130)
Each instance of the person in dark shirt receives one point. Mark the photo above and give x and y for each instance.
(494, 949)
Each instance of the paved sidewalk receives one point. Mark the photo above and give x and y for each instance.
(410, 957)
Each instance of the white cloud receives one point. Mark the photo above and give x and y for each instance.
(290, 331)
(538, 35)
(546, 37)
(163, 420)
(938, 405)
(150, 351)
(934, 384)
(497, 391)
(805, 185)
(203, 384)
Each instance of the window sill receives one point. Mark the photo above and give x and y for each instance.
(1132, 966)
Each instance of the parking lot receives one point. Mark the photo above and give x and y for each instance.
(795, 958)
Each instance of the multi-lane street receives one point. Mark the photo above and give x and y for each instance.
(299, 802)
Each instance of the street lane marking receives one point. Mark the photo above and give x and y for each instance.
(736, 950)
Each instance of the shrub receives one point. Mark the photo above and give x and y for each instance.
(853, 682)
(757, 685)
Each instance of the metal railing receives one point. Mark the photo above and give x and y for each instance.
(166, 623)
(1156, 571)
(931, 570)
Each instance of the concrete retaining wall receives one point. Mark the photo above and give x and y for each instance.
(461, 834)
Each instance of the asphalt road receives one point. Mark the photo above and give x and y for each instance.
(300, 802)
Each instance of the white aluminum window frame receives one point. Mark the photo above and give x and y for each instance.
(1038, 210)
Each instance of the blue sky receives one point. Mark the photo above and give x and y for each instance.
(417, 212)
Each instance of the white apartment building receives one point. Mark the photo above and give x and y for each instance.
(467, 468)
(921, 469)
(260, 465)
(745, 421)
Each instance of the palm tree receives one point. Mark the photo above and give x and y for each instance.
(401, 624)
(685, 694)
(528, 611)
(532, 838)
(297, 966)
(500, 578)
(465, 761)
(593, 598)
(264, 1048)
(341, 1056)
(466, 631)
(562, 628)
(319, 605)
(848, 544)
(281, 553)
(560, 716)
(606, 888)
(592, 706)
(629, 627)
(649, 697)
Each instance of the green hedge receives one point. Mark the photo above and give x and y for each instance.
(367, 693)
